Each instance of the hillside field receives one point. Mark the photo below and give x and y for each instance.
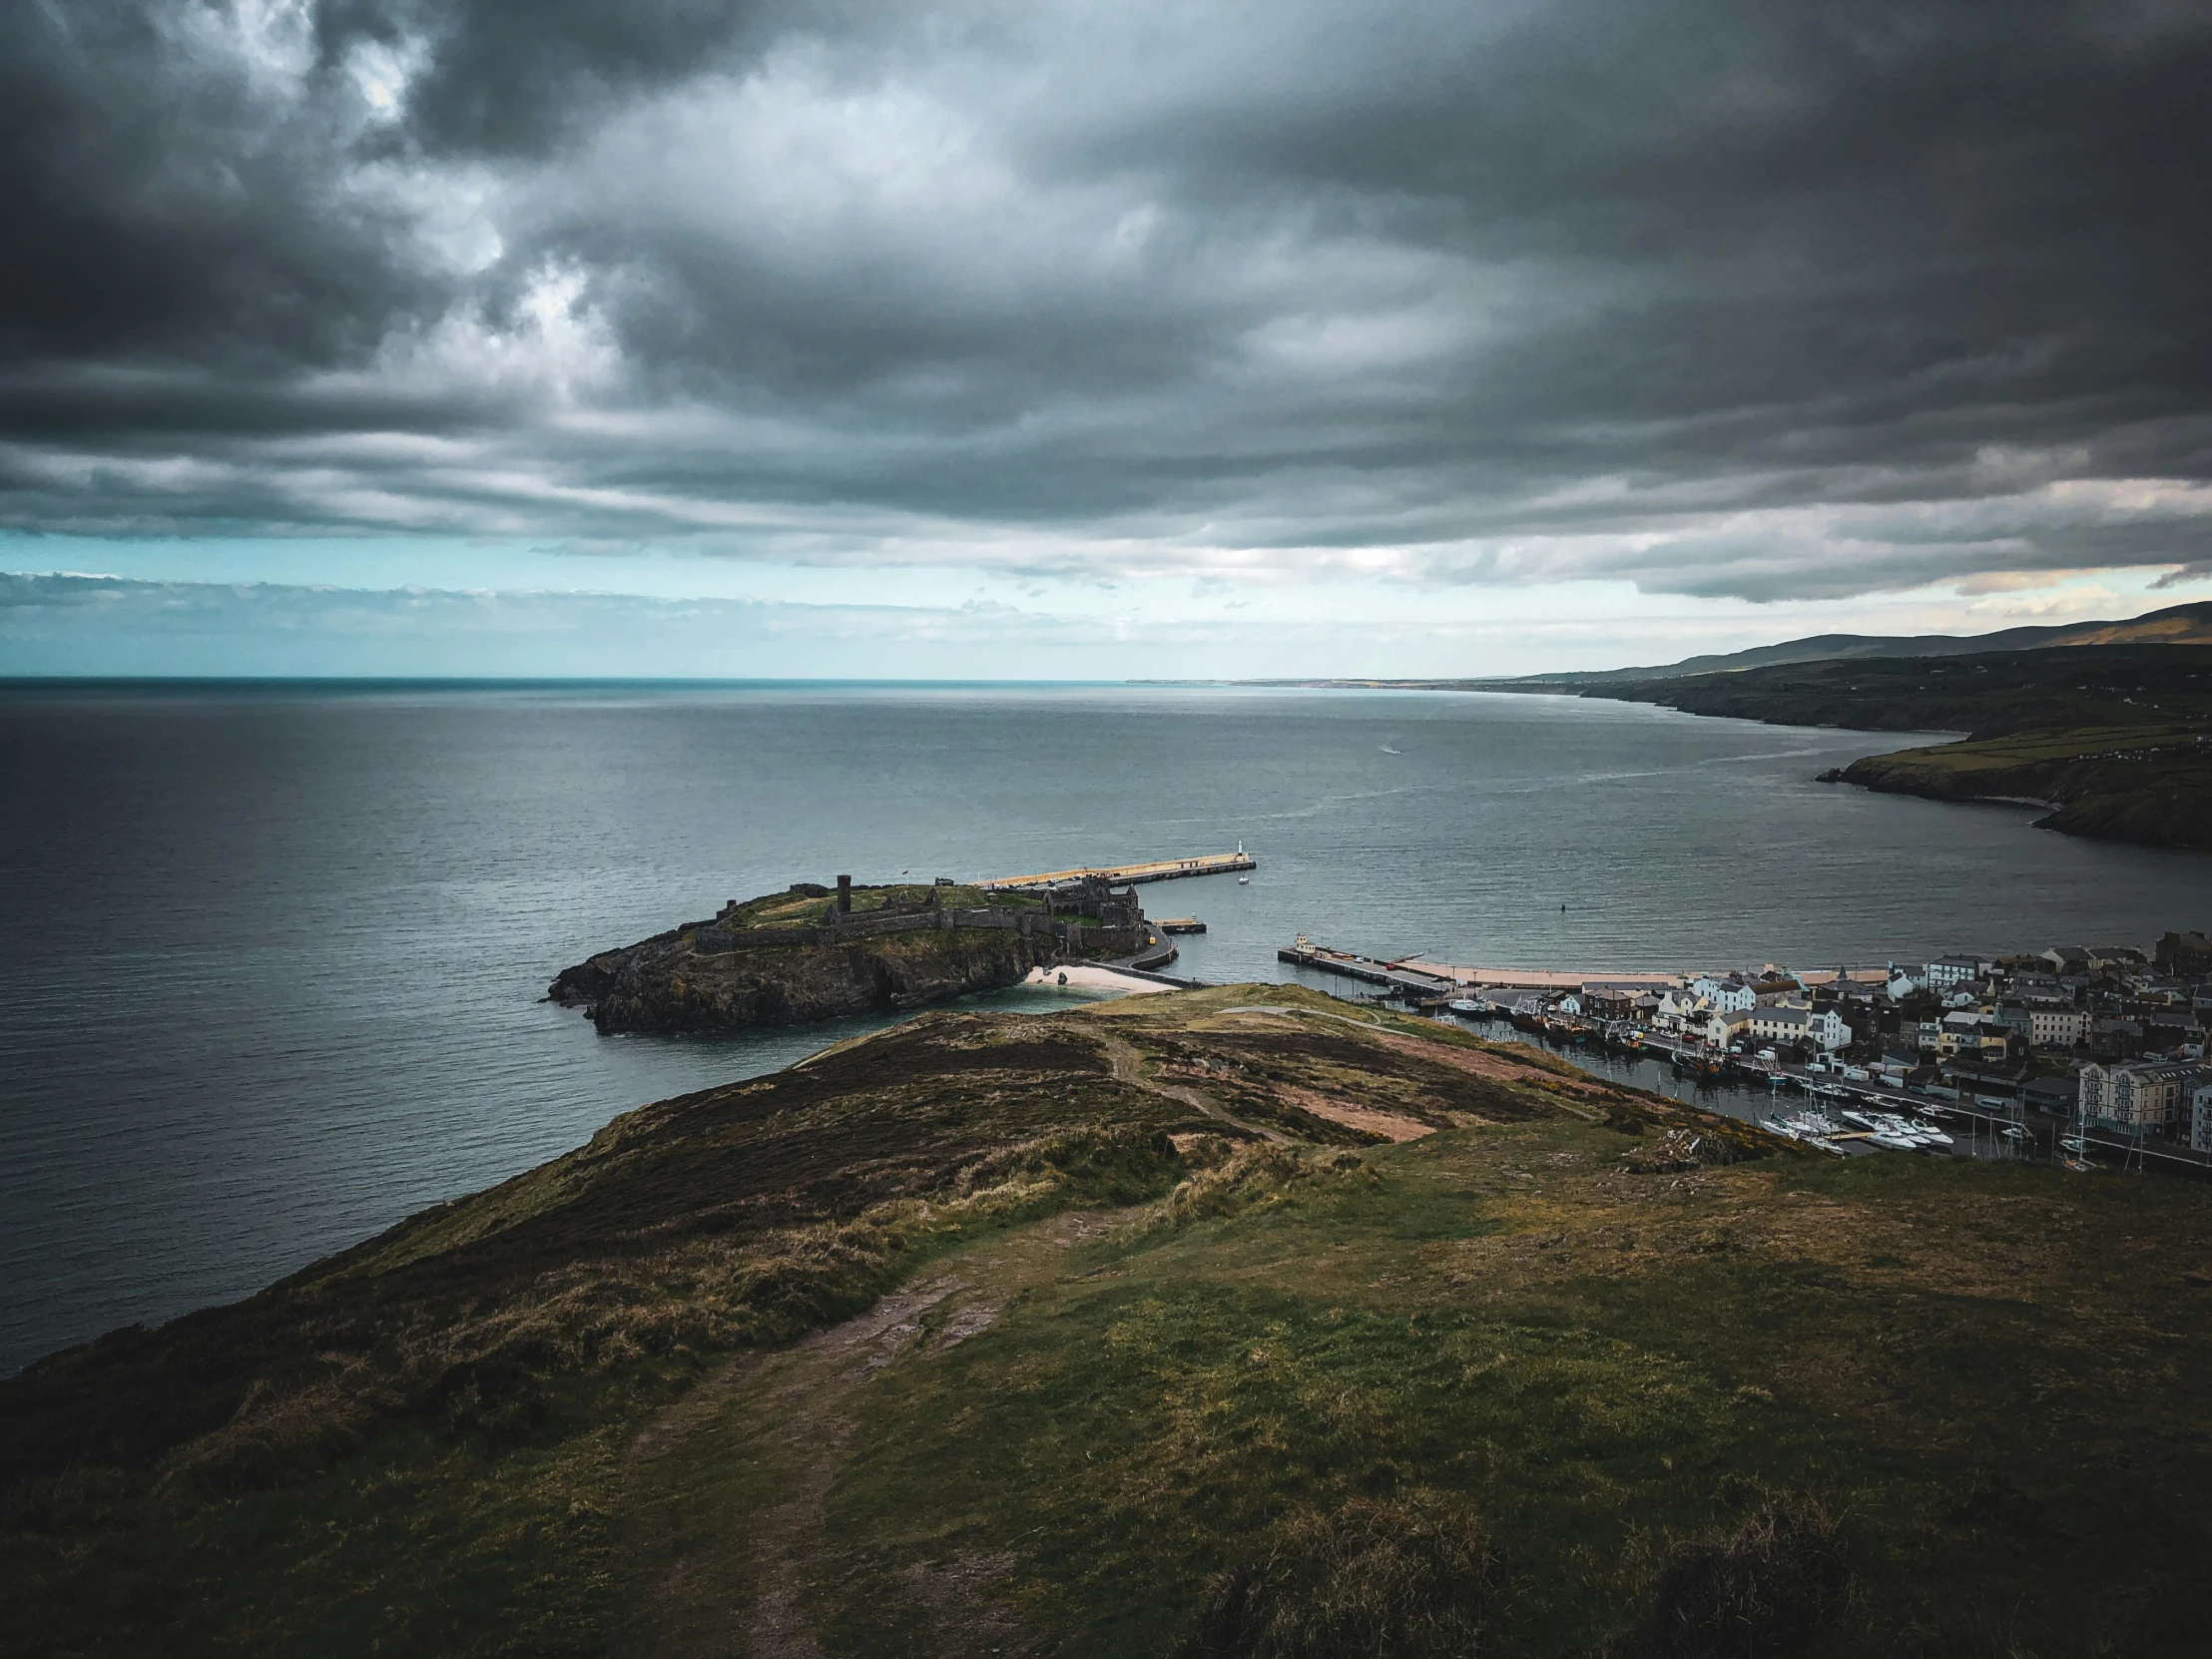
(1229, 1321)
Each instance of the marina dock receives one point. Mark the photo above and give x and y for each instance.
(1160, 870)
(1446, 978)
(1415, 984)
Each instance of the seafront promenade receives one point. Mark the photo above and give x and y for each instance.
(1418, 973)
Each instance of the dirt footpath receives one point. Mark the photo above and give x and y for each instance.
(731, 1486)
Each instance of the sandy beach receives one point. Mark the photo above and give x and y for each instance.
(1083, 975)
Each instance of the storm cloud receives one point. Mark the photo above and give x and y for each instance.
(1754, 300)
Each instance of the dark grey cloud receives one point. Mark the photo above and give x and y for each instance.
(1728, 298)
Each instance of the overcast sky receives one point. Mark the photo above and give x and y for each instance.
(1465, 337)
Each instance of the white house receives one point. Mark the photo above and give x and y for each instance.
(2200, 1116)
(1942, 974)
(1825, 1030)
(1730, 993)
(2055, 1025)
(1724, 1025)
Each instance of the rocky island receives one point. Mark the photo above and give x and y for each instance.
(816, 952)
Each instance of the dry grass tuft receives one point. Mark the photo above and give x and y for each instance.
(1400, 1578)
(1260, 1173)
(1761, 1591)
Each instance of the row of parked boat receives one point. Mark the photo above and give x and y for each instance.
(1883, 1129)
(1848, 1111)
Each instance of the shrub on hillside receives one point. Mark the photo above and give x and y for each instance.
(1258, 1173)
(1400, 1578)
(1761, 1591)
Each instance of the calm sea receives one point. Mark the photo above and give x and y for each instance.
(270, 955)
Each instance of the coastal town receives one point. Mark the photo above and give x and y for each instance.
(2095, 1053)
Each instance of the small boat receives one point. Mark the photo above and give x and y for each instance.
(1896, 1143)
(1387, 749)
(1244, 880)
(2074, 1143)
(2014, 1132)
(1917, 1133)
(1465, 1006)
(1930, 1132)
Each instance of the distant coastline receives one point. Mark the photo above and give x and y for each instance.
(2111, 742)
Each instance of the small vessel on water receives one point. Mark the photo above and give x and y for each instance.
(1904, 1129)
(1466, 1005)
(1810, 1127)
(1387, 749)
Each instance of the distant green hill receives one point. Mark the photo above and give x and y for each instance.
(2176, 625)
(1220, 1323)
(2117, 739)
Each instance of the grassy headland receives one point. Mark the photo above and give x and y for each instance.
(2115, 739)
(1217, 1323)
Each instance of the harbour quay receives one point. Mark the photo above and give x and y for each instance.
(1418, 985)
(2095, 1054)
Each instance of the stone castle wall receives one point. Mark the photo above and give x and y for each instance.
(1122, 930)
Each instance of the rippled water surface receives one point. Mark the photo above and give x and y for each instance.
(272, 954)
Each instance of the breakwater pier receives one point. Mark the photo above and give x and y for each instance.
(1413, 983)
(1159, 870)
(1431, 979)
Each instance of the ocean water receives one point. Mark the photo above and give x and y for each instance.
(270, 955)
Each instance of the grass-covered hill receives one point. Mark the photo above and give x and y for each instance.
(2116, 738)
(1222, 1323)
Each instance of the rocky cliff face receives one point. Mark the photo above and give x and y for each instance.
(662, 984)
